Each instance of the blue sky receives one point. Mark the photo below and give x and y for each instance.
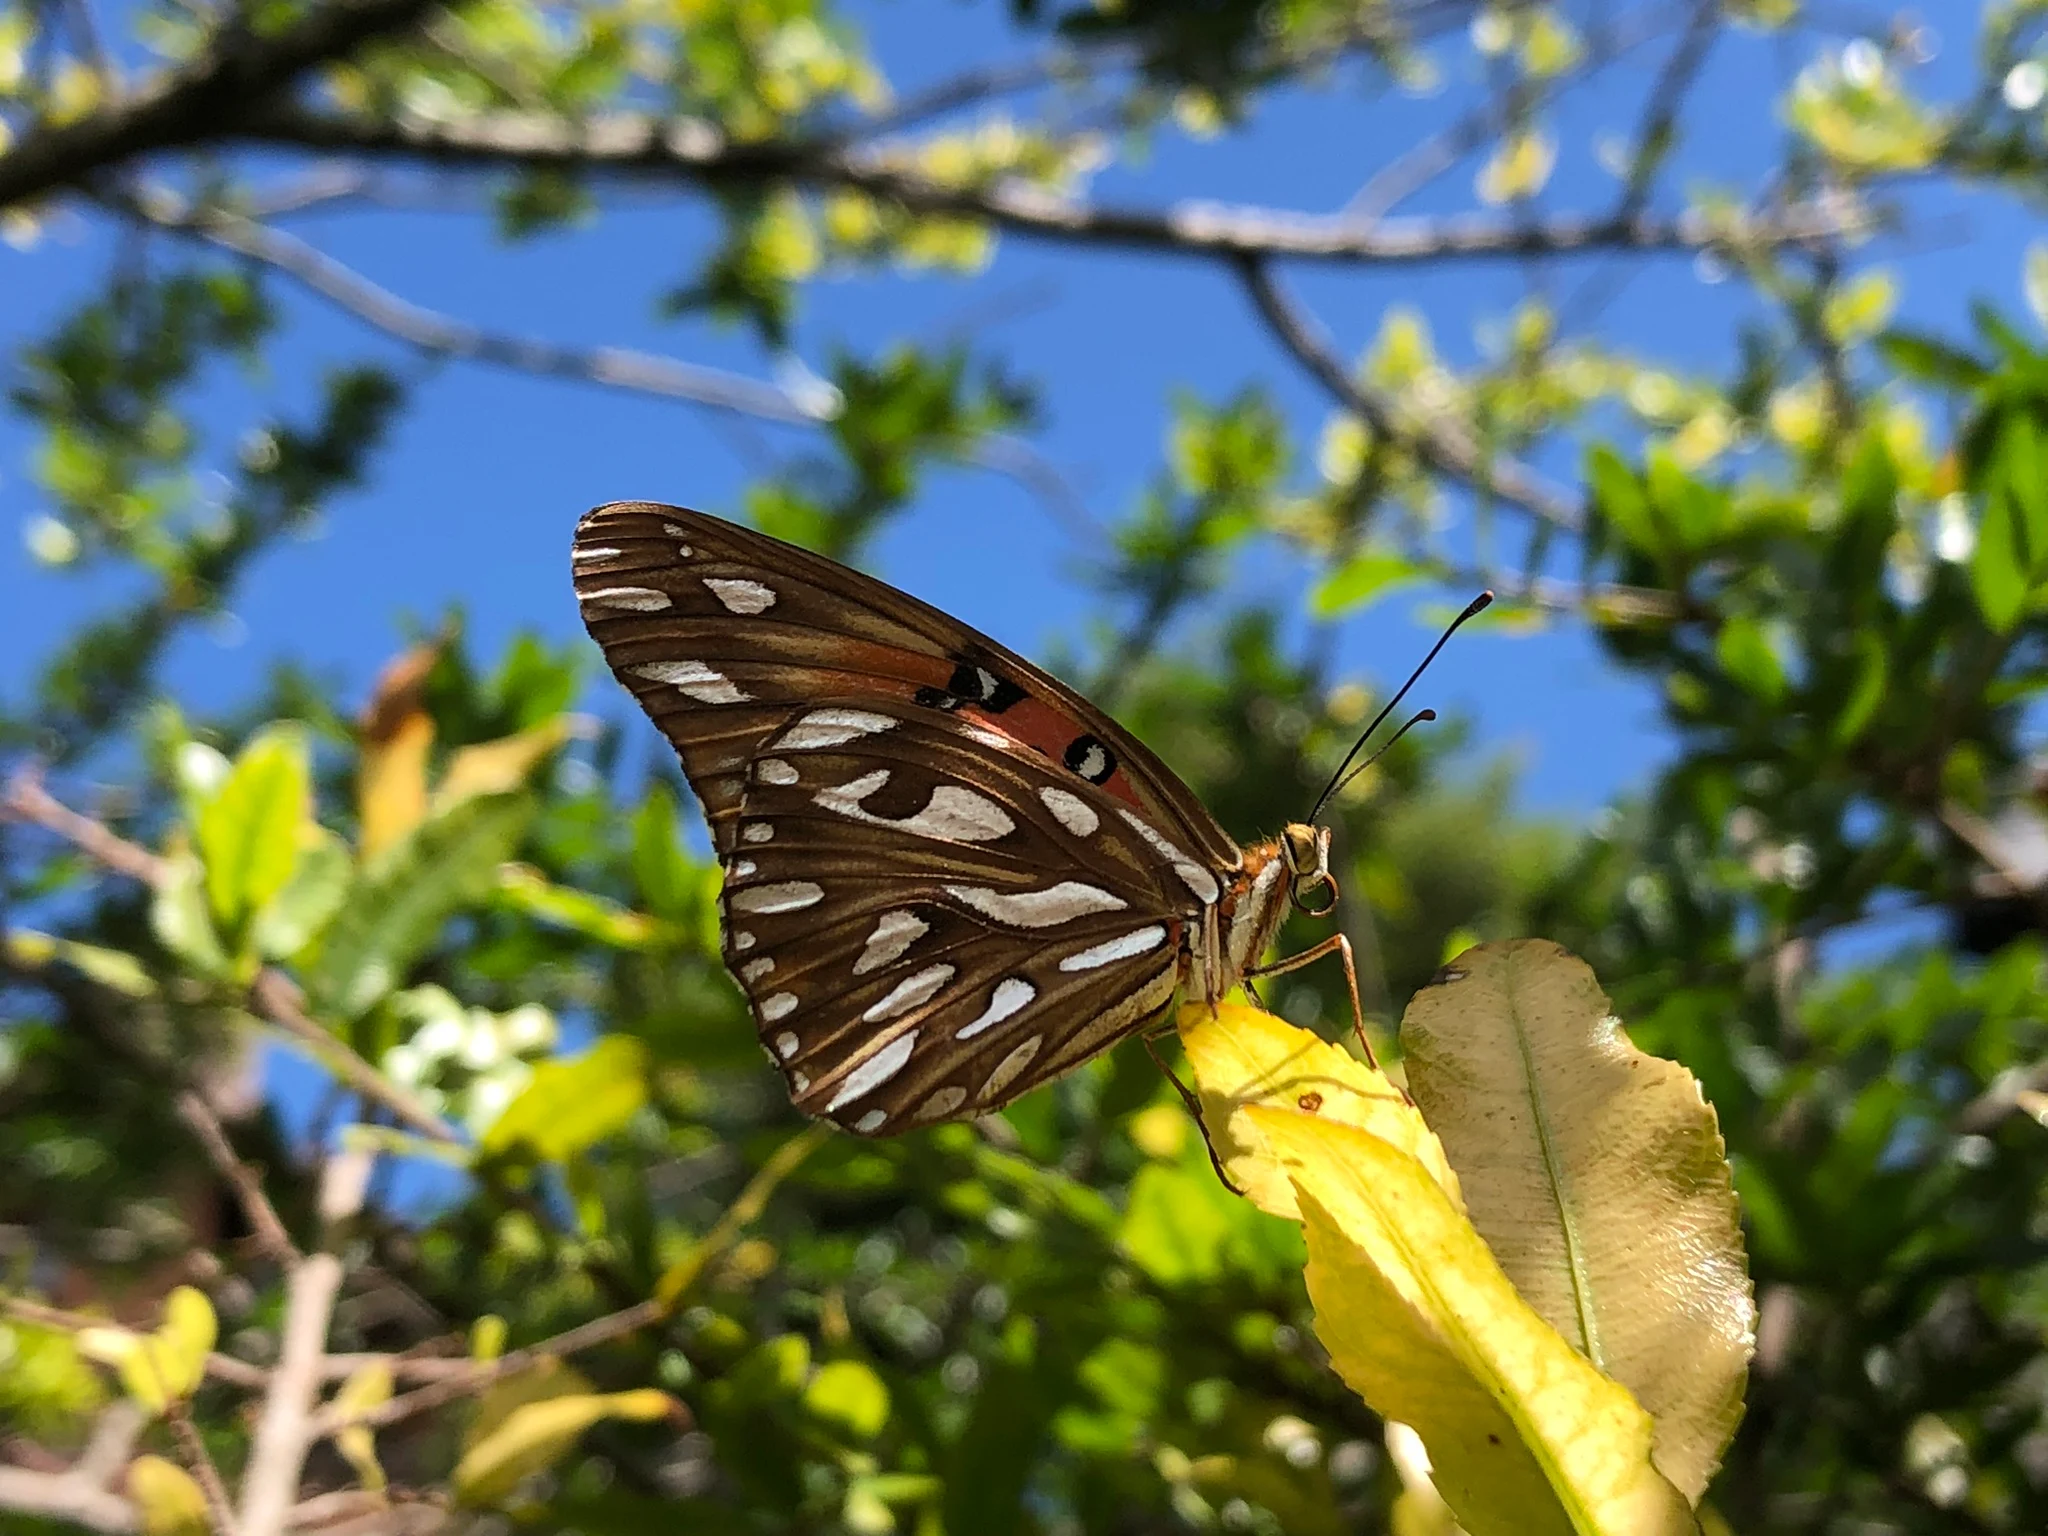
(472, 502)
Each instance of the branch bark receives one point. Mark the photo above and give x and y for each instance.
(277, 1454)
(689, 149)
(241, 70)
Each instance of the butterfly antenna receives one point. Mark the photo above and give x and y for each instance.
(1473, 608)
(1418, 718)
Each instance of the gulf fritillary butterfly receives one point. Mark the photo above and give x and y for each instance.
(949, 878)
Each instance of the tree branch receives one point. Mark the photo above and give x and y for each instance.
(639, 144)
(65, 1496)
(1441, 444)
(277, 1453)
(241, 70)
(213, 1138)
(621, 368)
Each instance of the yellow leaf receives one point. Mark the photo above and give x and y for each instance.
(498, 767)
(850, 1397)
(184, 1339)
(1525, 1436)
(1245, 1056)
(487, 1338)
(1598, 1177)
(536, 1435)
(397, 734)
(368, 1388)
(171, 1502)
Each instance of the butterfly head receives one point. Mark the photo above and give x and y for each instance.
(1310, 886)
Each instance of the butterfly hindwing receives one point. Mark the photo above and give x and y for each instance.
(929, 921)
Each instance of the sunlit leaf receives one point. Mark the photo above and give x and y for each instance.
(1525, 1436)
(248, 834)
(534, 1436)
(393, 912)
(397, 734)
(301, 909)
(1244, 1056)
(850, 1397)
(498, 767)
(179, 917)
(368, 1388)
(525, 889)
(570, 1106)
(1597, 1176)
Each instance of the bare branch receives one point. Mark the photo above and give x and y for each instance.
(1654, 140)
(213, 1137)
(1441, 444)
(27, 800)
(65, 1496)
(638, 144)
(277, 1453)
(241, 70)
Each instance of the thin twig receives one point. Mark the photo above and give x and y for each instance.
(27, 800)
(213, 1137)
(737, 1217)
(621, 368)
(64, 1496)
(201, 1466)
(1655, 139)
(1442, 445)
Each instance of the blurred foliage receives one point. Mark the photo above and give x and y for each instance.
(1828, 560)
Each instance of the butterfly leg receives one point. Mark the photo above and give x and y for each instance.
(1340, 944)
(1194, 1106)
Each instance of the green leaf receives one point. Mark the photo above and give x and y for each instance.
(850, 1397)
(297, 914)
(2034, 281)
(394, 913)
(524, 889)
(1174, 1229)
(572, 1105)
(1932, 360)
(1865, 694)
(1747, 655)
(1362, 579)
(1998, 575)
(114, 969)
(1619, 499)
(179, 918)
(247, 834)
(534, 1436)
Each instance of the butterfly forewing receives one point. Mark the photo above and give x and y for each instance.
(727, 617)
(948, 877)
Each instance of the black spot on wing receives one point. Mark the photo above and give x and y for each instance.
(1088, 757)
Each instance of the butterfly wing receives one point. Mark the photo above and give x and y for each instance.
(929, 921)
(948, 876)
(719, 631)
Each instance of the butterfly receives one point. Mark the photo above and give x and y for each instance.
(949, 878)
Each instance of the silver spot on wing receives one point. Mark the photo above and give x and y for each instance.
(1007, 1069)
(1011, 994)
(832, 728)
(1141, 941)
(894, 933)
(1055, 904)
(741, 596)
(1072, 812)
(639, 599)
(694, 680)
(781, 896)
(909, 993)
(875, 1069)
